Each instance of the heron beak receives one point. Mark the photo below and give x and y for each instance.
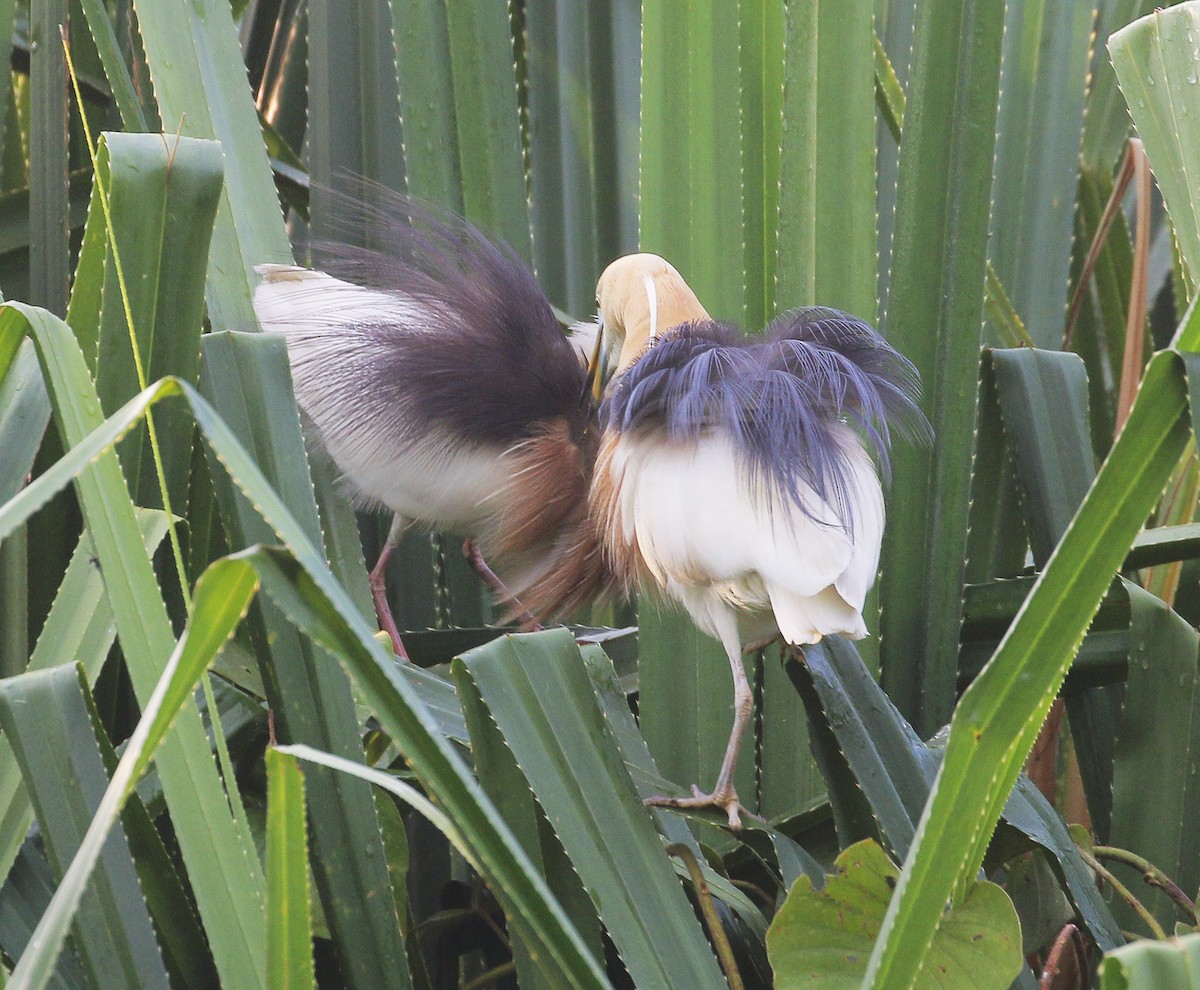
(599, 372)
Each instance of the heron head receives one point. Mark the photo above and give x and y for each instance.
(639, 298)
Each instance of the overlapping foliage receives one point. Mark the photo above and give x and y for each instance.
(172, 566)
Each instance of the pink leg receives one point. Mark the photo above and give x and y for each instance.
(724, 795)
(383, 611)
(495, 585)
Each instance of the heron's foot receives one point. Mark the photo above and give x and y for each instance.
(724, 798)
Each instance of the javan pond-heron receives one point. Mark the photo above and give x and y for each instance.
(737, 475)
(433, 371)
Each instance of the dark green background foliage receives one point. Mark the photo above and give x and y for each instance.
(173, 564)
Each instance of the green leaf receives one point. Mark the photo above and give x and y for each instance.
(998, 717)
(536, 690)
(49, 248)
(1099, 334)
(887, 763)
(934, 316)
(289, 924)
(491, 158)
(162, 198)
(1029, 811)
(827, 198)
(200, 84)
(221, 598)
(104, 35)
(1143, 965)
(307, 590)
(996, 544)
(246, 376)
(352, 128)
(1155, 795)
(227, 886)
(185, 949)
(881, 760)
(24, 413)
(79, 629)
(821, 940)
(427, 105)
(634, 751)
(1045, 65)
(49, 721)
(1044, 404)
(27, 893)
(1158, 73)
(1043, 396)
(501, 779)
(690, 192)
(762, 45)
(572, 175)
(1106, 126)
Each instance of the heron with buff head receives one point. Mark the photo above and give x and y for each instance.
(433, 372)
(738, 476)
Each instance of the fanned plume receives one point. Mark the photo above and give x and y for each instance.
(490, 357)
(777, 397)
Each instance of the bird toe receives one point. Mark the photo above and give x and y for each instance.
(726, 800)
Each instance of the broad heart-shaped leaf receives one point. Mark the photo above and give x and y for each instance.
(1146, 965)
(821, 940)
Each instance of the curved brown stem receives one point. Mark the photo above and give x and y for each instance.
(1152, 875)
(1156, 930)
(716, 931)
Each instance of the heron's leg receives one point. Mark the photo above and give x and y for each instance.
(495, 585)
(383, 611)
(724, 795)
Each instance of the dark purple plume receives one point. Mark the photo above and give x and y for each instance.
(777, 396)
(495, 360)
